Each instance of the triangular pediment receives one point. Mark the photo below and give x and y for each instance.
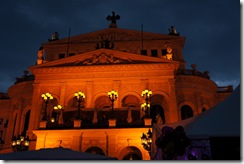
(103, 57)
(115, 34)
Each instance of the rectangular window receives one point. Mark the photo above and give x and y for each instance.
(6, 124)
(61, 56)
(71, 54)
(144, 52)
(164, 52)
(154, 53)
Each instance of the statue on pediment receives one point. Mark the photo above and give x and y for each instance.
(105, 44)
(169, 54)
(40, 56)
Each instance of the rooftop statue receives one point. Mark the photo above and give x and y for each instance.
(113, 19)
(172, 31)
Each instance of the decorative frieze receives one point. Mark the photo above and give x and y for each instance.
(95, 68)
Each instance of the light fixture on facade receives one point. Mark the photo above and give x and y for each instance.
(146, 141)
(20, 143)
(112, 95)
(46, 98)
(80, 96)
(146, 95)
(55, 113)
(144, 106)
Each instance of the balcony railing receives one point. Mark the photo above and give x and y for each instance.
(193, 72)
(102, 120)
(25, 78)
(90, 125)
(228, 88)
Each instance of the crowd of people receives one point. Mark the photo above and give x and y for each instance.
(173, 143)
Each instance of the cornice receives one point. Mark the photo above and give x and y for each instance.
(106, 68)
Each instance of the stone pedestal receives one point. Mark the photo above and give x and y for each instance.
(112, 122)
(147, 121)
(43, 124)
(77, 123)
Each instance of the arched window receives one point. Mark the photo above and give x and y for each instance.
(130, 100)
(95, 150)
(103, 102)
(132, 156)
(131, 153)
(186, 112)
(204, 109)
(132, 105)
(157, 111)
(103, 106)
(27, 119)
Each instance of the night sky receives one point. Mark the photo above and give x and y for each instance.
(211, 28)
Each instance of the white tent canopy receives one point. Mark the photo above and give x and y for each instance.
(222, 120)
(58, 153)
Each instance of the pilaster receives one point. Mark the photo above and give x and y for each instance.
(111, 145)
(19, 114)
(173, 113)
(11, 129)
(62, 93)
(89, 94)
(116, 87)
(35, 108)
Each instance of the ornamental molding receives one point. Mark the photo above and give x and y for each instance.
(111, 68)
(116, 75)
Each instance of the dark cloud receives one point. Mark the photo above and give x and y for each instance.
(211, 28)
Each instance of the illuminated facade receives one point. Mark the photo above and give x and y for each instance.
(122, 60)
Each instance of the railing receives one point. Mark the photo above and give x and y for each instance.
(4, 96)
(90, 125)
(193, 72)
(228, 88)
(25, 78)
(87, 120)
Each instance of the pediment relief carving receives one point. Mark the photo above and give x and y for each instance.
(102, 59)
